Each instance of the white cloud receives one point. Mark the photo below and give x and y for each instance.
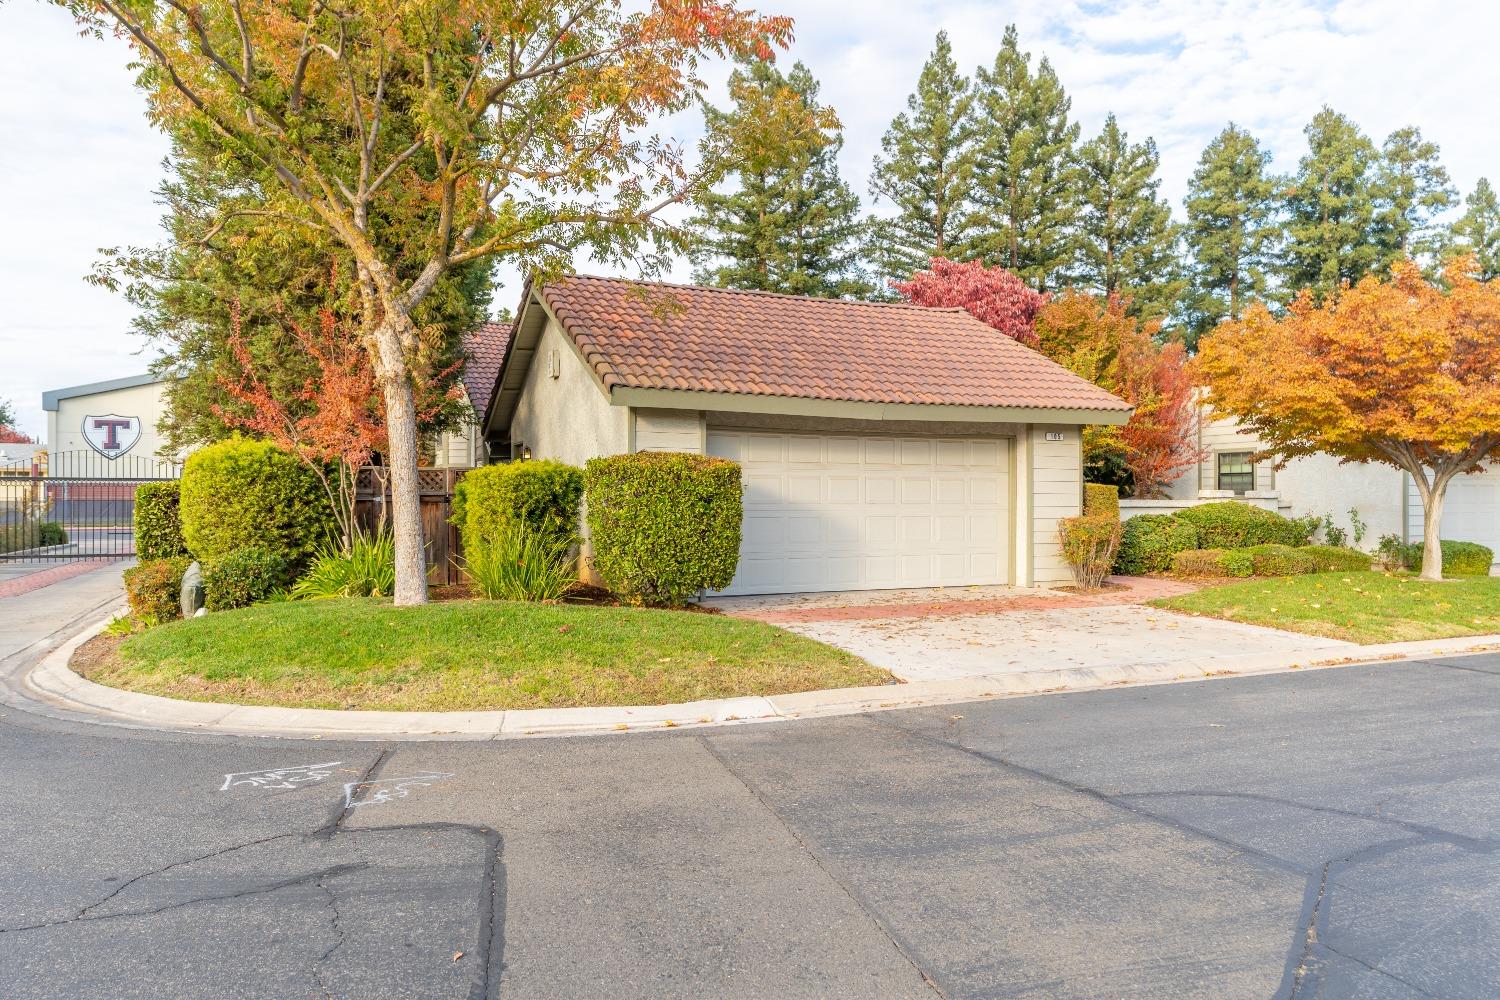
(79, 162)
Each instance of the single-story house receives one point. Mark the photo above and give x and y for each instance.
(883, 445)
(1385, 498)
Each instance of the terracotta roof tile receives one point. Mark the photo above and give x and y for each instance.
(485, 347)
(656, 336)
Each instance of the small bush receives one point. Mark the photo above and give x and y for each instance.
(243, 578)
(30, 535)
(153, 589)
(1280, 560)
(51, 533)
(1230, 524)
(1089, 544)
(240, 494)
(158, 521)
(1101, 500)
(1213, 563)
(1148, 542)
(541, 497)
(1330, 559)
(368, 569)
(1459, 558)
(664, 525)
(522, 565)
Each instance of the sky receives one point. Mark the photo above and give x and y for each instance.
(79, 162)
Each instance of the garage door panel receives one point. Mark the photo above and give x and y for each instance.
(846, 512)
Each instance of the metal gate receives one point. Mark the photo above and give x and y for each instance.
(73, 505)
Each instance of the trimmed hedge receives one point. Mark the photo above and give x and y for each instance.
(241, 493)
(243, 578)
(664, 525)
(1268, 560)
(542, 496)
(1230, 524)
(1459, 558)
(1148, 542)
(1088, 546)
(153, 588)
(158, 521)
(1101, 500)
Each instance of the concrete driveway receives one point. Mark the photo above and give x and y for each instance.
(984, 631)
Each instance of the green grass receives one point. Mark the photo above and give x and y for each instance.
(1360, 607)
(362, 653)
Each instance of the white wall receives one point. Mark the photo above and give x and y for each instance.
(145, 402)
(566, 415)
(1471, 510)
(1057, 493)
(1319, 485)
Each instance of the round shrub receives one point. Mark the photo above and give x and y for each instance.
(1148, 542)
(664, 525)
(1280, 560)
(158, 521)
(242, 578)
(51, 533)
(1088, 547)
(1464, 559)
(153, 588)
(240, 493)
(1101, 500)
(540, 496)
(1230, 524)
(1331, 559)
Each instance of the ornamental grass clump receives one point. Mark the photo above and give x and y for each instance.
(368, 569)
(520, 564)
(1089, 544)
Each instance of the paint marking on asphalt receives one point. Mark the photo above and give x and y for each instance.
(281, 777)
(388, 789)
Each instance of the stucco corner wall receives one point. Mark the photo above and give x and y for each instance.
(1319, 485)
(567, 417)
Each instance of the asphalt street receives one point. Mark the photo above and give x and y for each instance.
(1328, 834)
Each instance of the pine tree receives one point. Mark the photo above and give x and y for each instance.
(1330, 233)
(1127, 242)
(925, 170)
(1413, 188)
(1477, 231)
(793, 224)
(1231, 230)
(1024, 171)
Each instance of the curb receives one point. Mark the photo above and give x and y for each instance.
(53, 682)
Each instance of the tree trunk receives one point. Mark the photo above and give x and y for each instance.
(1432, 519)
(401, 458)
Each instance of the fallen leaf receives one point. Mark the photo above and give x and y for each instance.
(457, 955)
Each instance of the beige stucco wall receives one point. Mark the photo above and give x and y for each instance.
(563, 413)
(145, 402)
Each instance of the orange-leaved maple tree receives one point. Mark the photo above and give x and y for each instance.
(1401, 371)
(478, 129)
(1096, 338)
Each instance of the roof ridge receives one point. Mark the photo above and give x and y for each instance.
(764, 292)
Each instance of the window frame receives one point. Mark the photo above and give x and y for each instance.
(1247, 476)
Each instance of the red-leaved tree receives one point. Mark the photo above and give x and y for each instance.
(1159, 440)
(335, 424)
(992, 295)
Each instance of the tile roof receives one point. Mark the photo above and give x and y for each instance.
(657, 336)
(485, 346)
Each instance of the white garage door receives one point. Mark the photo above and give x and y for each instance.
(835, 512)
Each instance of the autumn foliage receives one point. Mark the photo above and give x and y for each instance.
(1402, 372)
(992, 295)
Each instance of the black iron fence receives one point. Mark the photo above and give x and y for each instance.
(73, 505)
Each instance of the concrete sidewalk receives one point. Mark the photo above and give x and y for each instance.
(69, 601)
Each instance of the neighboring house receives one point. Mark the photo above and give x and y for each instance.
(883, 445)
(1386, 498)
(464, 447)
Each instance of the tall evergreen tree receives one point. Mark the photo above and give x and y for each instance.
(792, 224)
(925, 169)
(1477, 231)
(1331, 233)
(1231, 229)
(1024, 171)
(1127, 242)
(1414, 188)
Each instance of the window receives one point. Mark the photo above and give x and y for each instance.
(1235, 471)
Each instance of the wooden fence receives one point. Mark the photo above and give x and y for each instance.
(444, 551)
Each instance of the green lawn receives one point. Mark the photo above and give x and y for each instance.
(1360, 607)
(471, 656)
